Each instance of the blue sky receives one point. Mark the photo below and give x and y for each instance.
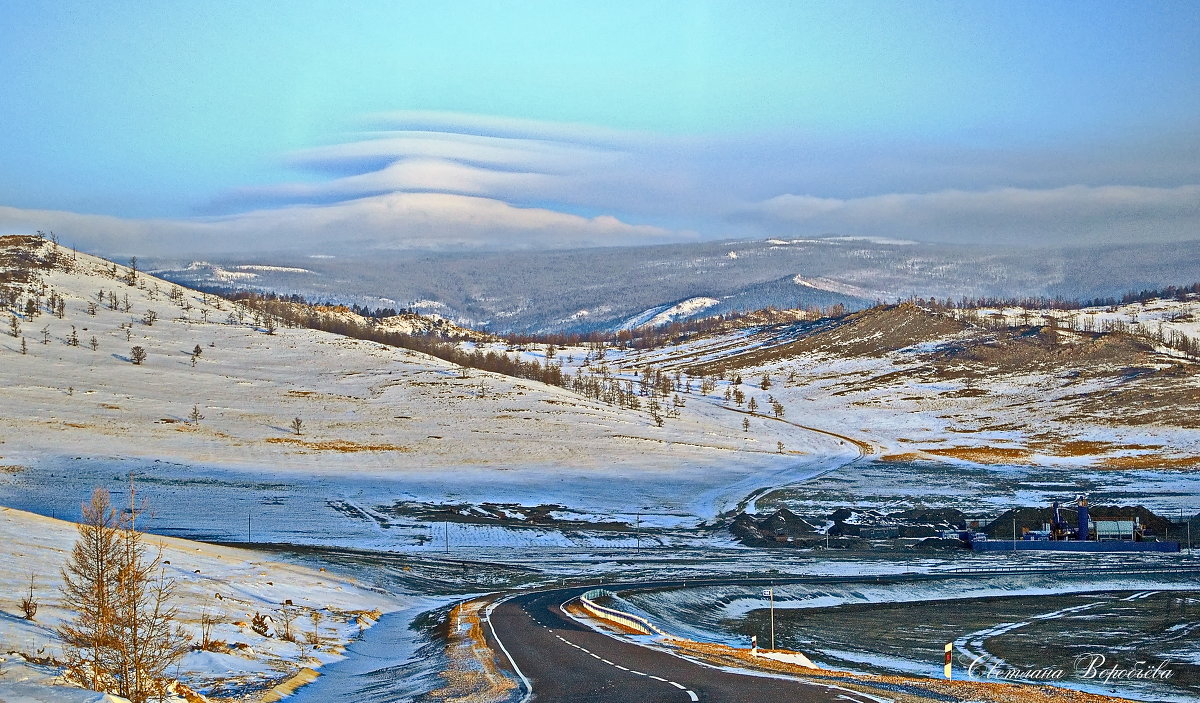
(561, 123)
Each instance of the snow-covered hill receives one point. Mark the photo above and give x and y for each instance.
(380, 426)
(604, 288)
(1054, 412)
(220, 588)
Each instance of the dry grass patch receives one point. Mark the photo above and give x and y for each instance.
(472, 675)
(338, 445)
(1150, 461)
(12, 469)
(287, 688)
(918, 689)
(906, 456)
(986, 455)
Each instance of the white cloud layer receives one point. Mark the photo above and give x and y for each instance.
(432, 179)
(1066, 215)
(394, 220)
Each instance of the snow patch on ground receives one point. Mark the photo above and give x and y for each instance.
(227, 584)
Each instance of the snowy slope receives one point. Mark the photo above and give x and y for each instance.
(224, 584)
(379, 425)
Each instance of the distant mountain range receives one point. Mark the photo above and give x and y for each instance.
(612, 288)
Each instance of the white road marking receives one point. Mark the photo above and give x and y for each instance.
(528, 686)
(691, 694)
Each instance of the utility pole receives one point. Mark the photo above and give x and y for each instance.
(132, 504)
(638, 531)
(447, 536)
(248, 527)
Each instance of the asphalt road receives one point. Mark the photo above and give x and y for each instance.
(563, 660)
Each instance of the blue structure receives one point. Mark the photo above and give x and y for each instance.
(1083, 521)
(1024, 545)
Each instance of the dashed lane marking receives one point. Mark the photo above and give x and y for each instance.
(691, 694)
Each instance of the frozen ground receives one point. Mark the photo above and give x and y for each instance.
(392, 442)
(380, 425)
(1023, 622)
(227, 585)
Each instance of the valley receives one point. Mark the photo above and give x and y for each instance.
(429, 481)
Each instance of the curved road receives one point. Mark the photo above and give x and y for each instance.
(564, 660)
(560, 659)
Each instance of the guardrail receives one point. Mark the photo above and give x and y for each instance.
(1077, 568)
(633, 622)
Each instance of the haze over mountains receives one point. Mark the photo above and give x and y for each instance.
(580, 290)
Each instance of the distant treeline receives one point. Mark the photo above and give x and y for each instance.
(232, 293)
(293, 310)
(651, 337)
(1059, 303)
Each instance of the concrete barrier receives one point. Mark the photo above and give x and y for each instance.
(784, 656)
(633, 622)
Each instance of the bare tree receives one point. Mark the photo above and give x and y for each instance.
(287, 615)
(137, 355)
(150, 318)
(14, 326)
(207, 620)
(89, 584)
(196, 352)
(194, 416)
(314, 637)
(297, 425)
(123, 637)
(29, 605)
